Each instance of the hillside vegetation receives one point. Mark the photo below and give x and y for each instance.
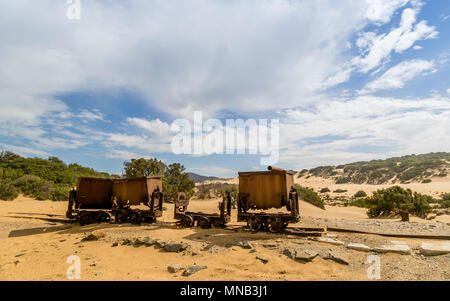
(411, 168)
(40, 178)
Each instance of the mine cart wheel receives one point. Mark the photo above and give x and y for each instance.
(103, 217)
(276, 224)
(84, 218)
(255, 223)
(150, 219)
(204, 223)
(186, 221)
(121, 217)
(135, 217)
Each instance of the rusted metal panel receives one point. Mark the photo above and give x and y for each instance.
(266, 189)
(136, 191)
(94, 192)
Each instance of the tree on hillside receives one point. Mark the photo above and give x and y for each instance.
(144, 168)
(7, 156)
(175, 179)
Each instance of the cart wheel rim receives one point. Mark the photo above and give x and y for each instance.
(254, 223)
(135, 217)
(103, 217)
(187, 221)
(121, 217)
(85, 219)
(275, 225)
(204, 223)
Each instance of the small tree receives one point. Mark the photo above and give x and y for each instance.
(175, 179)
(395, 199)
(360, 194)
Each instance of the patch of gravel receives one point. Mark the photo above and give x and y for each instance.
(382, 226)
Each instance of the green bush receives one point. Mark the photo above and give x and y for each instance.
(359, 203)
(340, 190)
(426, 181)
(445, 200)
(41, 178)
(324, 190)
(396, 199)
(60, 193)
(7, 192)
(310, 196)
(360, 194)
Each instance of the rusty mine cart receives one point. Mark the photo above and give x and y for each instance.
(203, 220)
(97, 200)
(263, 190)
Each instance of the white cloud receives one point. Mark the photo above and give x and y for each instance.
(398, 75)
(417, 47)
(381, 11)
(156, 126)
(377, 48)
(252, 55)
(364, 128)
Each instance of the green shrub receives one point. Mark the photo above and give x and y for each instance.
(359, 203)
(324, 190)
(340, 190)
(445, 200)
(360, 194)
(426, 181)
(7, 192)
(60, 193)
(310, 196)
(396, 199)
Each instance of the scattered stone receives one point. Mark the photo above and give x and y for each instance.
(358, 247)
(433, 250)
(269, 245)
(331, 235)
(193, 269)
(94, 236)
(263, 259)
(337, 258)
(331, 241)
(307, 255)
(252, 251)
(400, 249)
(173, 247)
(174, 268)
(245, 244)
(289, 253)
(115, 244)
(93, 264)
(126, 242)
(144, 241)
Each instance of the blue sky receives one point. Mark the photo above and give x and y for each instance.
(348, 80)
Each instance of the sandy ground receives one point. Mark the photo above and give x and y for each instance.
(435, 188)
(438, 185)
(36, 249)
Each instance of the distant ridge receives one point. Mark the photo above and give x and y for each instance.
(199, 178)
(411, 168)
